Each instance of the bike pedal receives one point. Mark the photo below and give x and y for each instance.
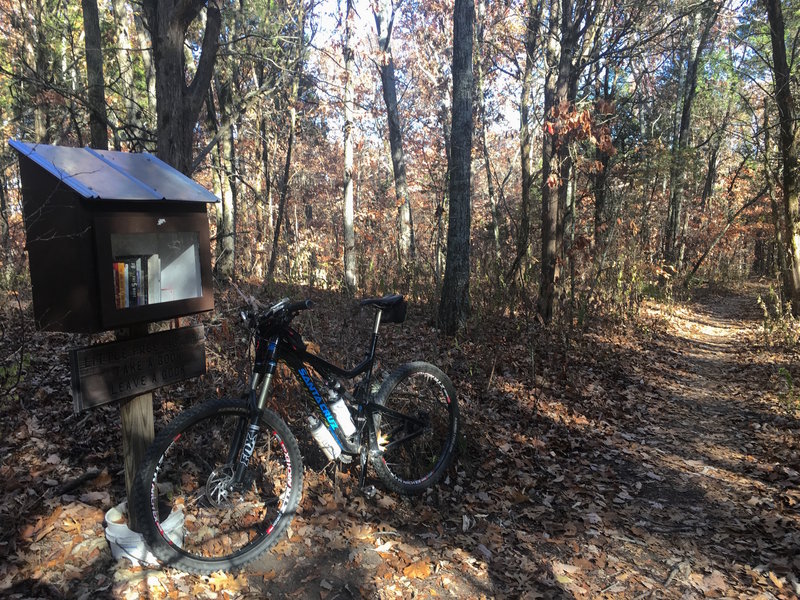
(369, 491)
(345, 458)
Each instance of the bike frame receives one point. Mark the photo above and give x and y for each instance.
(282, 343)
(287, 346)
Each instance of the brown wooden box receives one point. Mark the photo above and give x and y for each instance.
(113, 239)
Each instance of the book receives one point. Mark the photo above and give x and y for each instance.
(133, 285)
(142, 276)
(119, 294)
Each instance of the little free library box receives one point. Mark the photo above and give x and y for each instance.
(114, 240)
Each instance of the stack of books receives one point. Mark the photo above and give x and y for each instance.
(137, 280)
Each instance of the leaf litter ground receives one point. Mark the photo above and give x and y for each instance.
(657, 459)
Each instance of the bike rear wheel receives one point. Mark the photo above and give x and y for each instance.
(416, 424)
(190, 469)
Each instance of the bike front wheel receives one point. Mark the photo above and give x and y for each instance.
(416, 426)
(229, 516)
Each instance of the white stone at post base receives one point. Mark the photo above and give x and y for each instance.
(129, 544)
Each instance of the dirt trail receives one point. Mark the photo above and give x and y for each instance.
(717, 399)
(708, 371)
(719, 507)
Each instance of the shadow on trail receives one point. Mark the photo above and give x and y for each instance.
(659, 465)
(716, 455)
(641, 506)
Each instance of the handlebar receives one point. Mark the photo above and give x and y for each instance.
(280, 310)
(298, 306)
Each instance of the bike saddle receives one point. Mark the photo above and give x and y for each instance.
(393, 307)
(383, 303)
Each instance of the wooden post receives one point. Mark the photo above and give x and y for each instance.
(137, 434)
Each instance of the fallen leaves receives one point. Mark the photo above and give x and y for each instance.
(43, 526)
(99, 498)
(633, 465)
(418, 570)
(709, 584)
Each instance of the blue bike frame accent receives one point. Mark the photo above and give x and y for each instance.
(333, 426)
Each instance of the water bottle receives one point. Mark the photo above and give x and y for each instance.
(324, 438)
(341, 413)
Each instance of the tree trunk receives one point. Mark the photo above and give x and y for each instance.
(782, 265)
(146, 48)
(777, 216)
(4, 230)
(178, 104)
(525, 134)
(270, 192)
(572, 36)
(94, 75)
(487, 165)
(132, 124)
(284, 189)
(384, 23)
(35, 59)
(70, 75)
(555, 91)
(599, 178)
(350, 258)
(454, 307)
(680, 147)
(293, 97)
(601, 209)
(222, 189)
(790, 149)
(711, 176)
(264, 198)
(226, 235)
(443, 203)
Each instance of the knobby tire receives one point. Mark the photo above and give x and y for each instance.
(427, 397)
(188, 469)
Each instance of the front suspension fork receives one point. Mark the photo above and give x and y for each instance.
(247, 431)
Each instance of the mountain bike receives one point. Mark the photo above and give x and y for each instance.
(233, 469)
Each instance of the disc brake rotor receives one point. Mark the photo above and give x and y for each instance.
(220, 485)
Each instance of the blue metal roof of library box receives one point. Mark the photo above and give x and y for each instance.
(111, 175)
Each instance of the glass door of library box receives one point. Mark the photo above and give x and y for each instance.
(152, 266)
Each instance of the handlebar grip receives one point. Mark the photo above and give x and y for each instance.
(298, 306)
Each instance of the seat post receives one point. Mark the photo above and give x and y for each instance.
(374, 343)
(377, 322)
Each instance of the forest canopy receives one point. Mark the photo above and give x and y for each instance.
(615, 146)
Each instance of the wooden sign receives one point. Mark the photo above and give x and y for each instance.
(110, 372)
